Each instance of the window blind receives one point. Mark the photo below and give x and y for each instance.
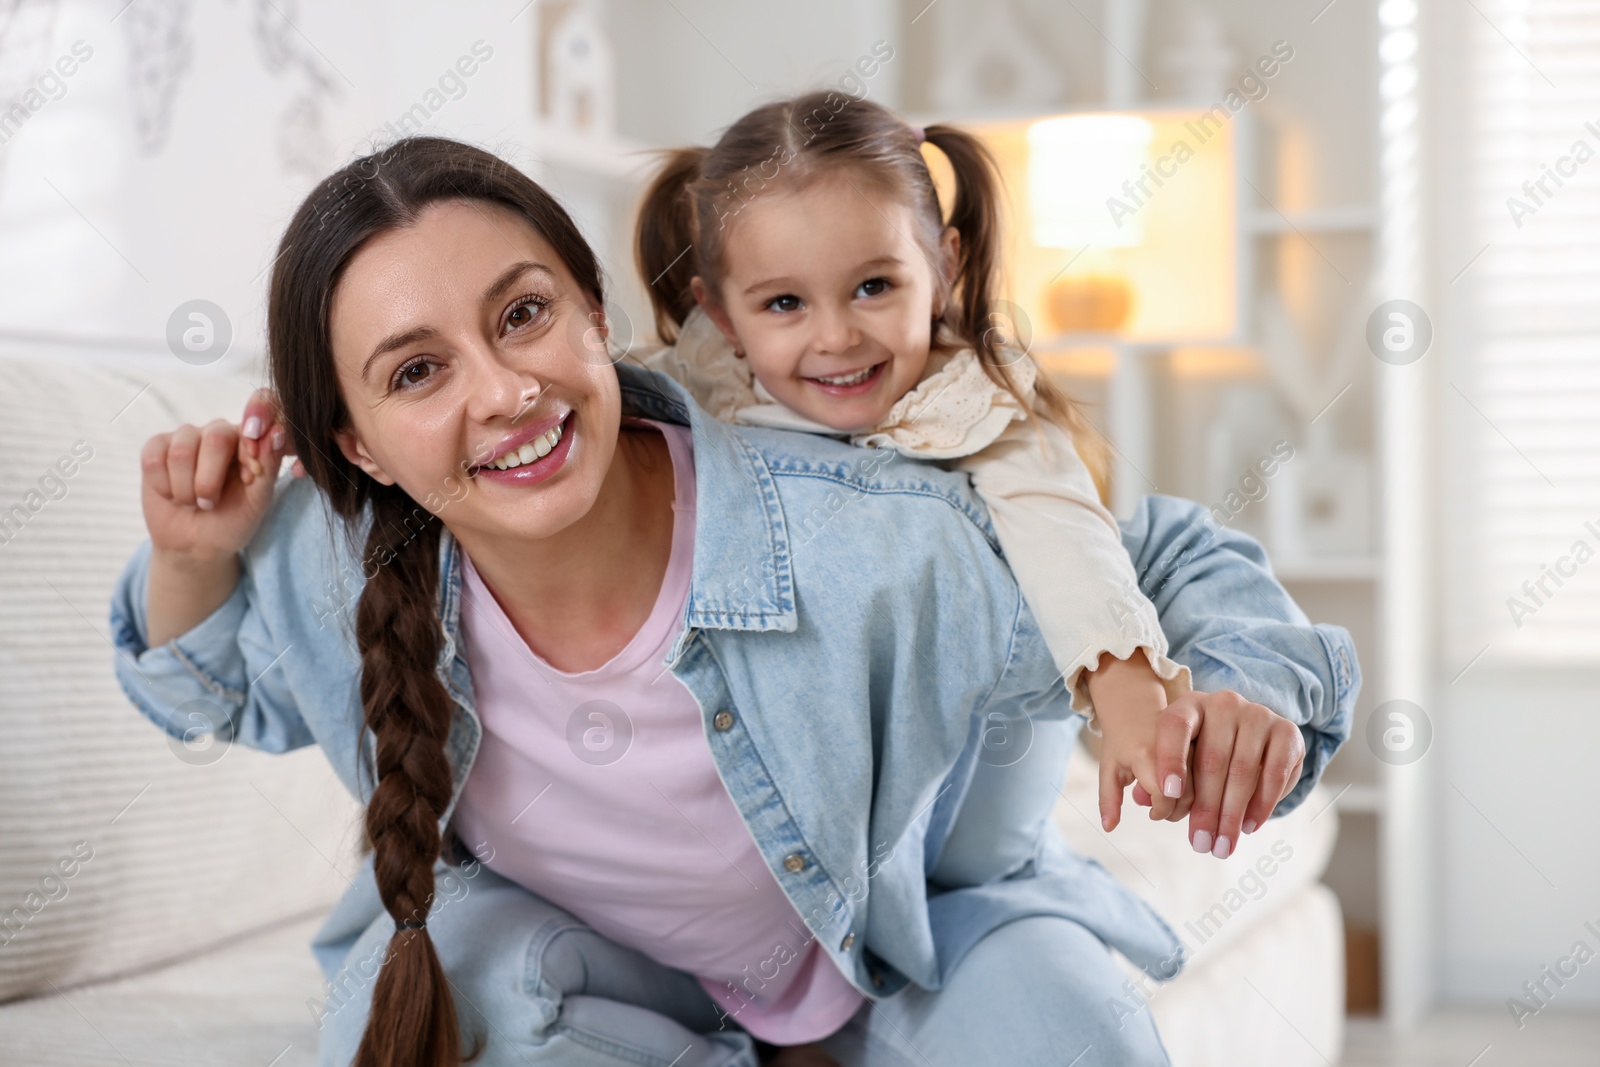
(1525, 399)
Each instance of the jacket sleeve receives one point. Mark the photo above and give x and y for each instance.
(216, 679)
(1235, 627)
(1067, 554)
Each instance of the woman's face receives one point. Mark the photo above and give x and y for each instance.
(464, 346)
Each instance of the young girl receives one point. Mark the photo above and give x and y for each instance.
(810, 282)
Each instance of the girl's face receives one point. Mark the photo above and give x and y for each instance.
(464, 346)
(829, 294)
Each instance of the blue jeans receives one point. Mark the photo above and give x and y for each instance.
(541, 989)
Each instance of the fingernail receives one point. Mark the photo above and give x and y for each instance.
(1202, 841)
(1172, 787)
(1105, 823)
(1249, 826)
(204, 504)
(277, 440)
(253, 427)
(1221, 851)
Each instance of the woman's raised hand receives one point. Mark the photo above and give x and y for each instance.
(207, 487)
(205, 491)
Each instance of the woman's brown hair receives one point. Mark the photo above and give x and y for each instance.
(398, 631)
(688, 208)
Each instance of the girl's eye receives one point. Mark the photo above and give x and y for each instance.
(785, 303)
(525, 312)
(873, 287)
(407, 376)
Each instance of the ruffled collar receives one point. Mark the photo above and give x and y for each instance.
(956, 410)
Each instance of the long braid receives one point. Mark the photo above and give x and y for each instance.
(408, 711)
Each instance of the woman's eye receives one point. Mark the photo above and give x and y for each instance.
(787, 302)
(524, 313)
(873, 287)
(413, 374)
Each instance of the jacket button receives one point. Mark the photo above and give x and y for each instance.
(849, 939)
(794, 863)
(723, 721)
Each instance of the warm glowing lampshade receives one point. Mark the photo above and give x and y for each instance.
(1075, 164)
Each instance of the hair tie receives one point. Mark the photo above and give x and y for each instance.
(410, 924)
(919, 133)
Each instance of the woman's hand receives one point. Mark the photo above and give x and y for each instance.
(204, 495)
(205, 491)
(1246, 759)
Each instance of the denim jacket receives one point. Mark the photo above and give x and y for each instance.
(851, 622)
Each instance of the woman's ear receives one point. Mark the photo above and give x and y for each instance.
(715, 312)
(356, 453)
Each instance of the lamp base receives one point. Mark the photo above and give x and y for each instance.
(1089, 302)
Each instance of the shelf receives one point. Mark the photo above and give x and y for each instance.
(1322, 220)
(1331, 569)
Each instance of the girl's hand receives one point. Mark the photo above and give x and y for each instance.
(203, 495)
(1246, 759)
(1130, 704)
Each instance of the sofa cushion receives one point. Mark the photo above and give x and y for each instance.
(252, 1001)
(120, 849)
(1208, 902)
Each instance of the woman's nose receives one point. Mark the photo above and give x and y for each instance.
(500, 388)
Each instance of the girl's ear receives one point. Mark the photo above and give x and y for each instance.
(715, 312)
(356, 453)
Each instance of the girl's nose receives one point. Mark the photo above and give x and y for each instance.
(835, 332)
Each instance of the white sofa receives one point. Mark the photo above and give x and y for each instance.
(157, 900)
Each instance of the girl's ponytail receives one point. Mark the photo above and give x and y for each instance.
(408, 711)
(975, 215)
(664, 237)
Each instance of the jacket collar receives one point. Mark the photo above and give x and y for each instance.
(742, 578)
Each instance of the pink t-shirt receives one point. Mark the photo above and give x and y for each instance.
(597, 791)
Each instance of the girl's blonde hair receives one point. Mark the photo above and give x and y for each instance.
(684, 221)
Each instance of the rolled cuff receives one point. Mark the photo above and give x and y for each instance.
(201, 665)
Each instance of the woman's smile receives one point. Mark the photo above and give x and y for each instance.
(531, 455)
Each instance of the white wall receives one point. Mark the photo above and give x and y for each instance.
(182, 145)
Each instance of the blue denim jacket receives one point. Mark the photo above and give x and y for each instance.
(851, 623)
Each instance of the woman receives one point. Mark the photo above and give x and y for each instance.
(589, 647)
